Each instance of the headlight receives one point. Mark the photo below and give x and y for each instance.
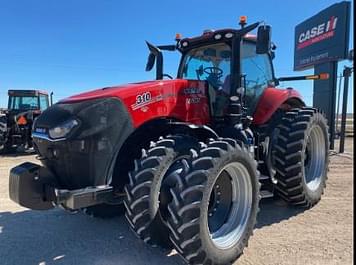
(62, 130)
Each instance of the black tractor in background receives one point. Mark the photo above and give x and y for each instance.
(24, 106)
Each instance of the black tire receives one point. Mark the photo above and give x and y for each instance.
(7, 148)
(3, 131)
(104, 211)
(192, 204)
(302, 147)
(147, 193)
(266, 134)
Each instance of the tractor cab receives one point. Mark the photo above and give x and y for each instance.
(211, 59)
(24, 106)
(236, 66)
(27, 100)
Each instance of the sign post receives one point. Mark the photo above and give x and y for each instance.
(324, 96)
(320, 42)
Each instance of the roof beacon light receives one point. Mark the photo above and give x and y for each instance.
(178, 37)
(243, 20)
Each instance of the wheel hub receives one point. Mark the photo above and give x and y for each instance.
(229, 205)
(220, 202)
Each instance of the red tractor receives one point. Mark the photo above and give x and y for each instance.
(184, 155)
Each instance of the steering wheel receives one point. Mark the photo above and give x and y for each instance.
(212, 70)
(214, 76)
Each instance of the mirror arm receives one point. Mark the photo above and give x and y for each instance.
(322, 76)
(159, 60)
(167, 47)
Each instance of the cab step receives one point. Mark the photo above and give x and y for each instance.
(263, 177)
(266, 194)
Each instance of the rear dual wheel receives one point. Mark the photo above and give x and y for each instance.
(301, 156)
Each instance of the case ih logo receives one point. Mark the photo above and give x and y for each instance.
(323, 37)
(319, 33)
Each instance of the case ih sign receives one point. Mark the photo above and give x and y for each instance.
(323, 37)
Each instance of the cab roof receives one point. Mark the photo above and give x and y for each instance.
(212, 35)
(26, 92)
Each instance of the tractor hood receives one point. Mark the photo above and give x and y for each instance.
(124, 91)
(179, 99)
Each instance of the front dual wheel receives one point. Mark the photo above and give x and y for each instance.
(229, 205)
(147, 193)
(207, 197)
(214, 207)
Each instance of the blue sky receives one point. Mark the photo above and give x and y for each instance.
(73, 46)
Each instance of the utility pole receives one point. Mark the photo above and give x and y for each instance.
(338, 108)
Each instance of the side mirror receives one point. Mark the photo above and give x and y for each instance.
(150, 62)
(155, 56)
(263, 44)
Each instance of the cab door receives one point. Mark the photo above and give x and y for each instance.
(258, 72)
(44, 103)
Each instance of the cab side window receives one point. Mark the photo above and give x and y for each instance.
(258, 73)
(43, 102)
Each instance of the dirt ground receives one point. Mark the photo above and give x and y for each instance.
(284, 235)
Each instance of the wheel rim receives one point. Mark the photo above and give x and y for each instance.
(315, 159)
(230, 205)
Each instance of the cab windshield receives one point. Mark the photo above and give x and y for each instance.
(23, 103)
(212, 63)
(208, 63)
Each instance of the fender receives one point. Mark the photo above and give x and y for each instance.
(273, 99)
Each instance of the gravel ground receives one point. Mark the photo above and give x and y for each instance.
(284, 235)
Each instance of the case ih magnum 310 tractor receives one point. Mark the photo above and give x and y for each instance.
(16, 122)
(190, 157)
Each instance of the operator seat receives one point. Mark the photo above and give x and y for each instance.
(220, 99)
(226, 85)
